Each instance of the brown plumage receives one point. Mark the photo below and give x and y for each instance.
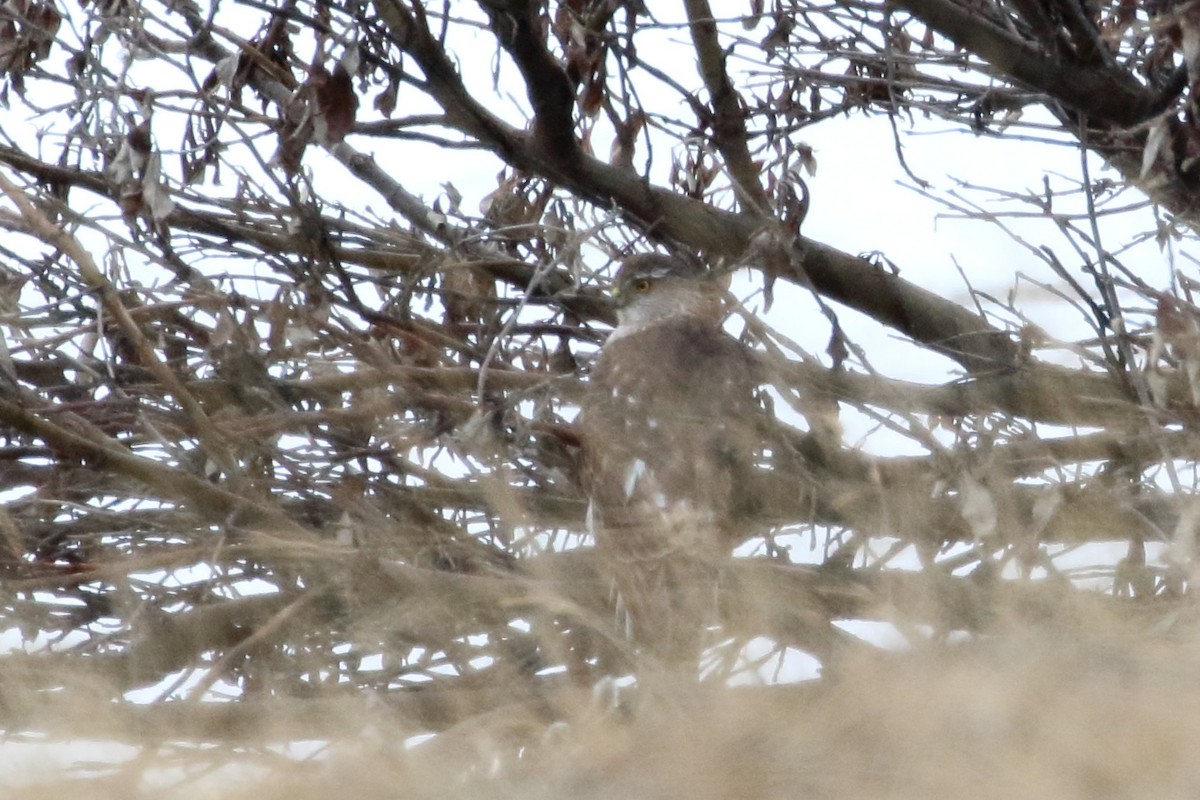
(670, 426)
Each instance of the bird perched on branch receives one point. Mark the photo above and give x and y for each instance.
(670, 427)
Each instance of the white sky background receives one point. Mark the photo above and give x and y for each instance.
(861, 200)
(858, 204)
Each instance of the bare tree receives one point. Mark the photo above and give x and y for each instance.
(278, 441)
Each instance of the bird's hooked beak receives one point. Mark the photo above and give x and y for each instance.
(617, 298)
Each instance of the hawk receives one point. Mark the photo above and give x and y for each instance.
(670, 427)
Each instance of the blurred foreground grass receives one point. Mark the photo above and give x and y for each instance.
(1083, 702)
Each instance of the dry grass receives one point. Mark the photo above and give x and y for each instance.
(1083, 704)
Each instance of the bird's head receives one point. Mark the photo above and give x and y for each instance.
(652, 288)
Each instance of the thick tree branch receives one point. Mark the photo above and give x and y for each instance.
(728, 120)
(1102, 93)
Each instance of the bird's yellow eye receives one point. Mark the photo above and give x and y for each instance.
(640, 285)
